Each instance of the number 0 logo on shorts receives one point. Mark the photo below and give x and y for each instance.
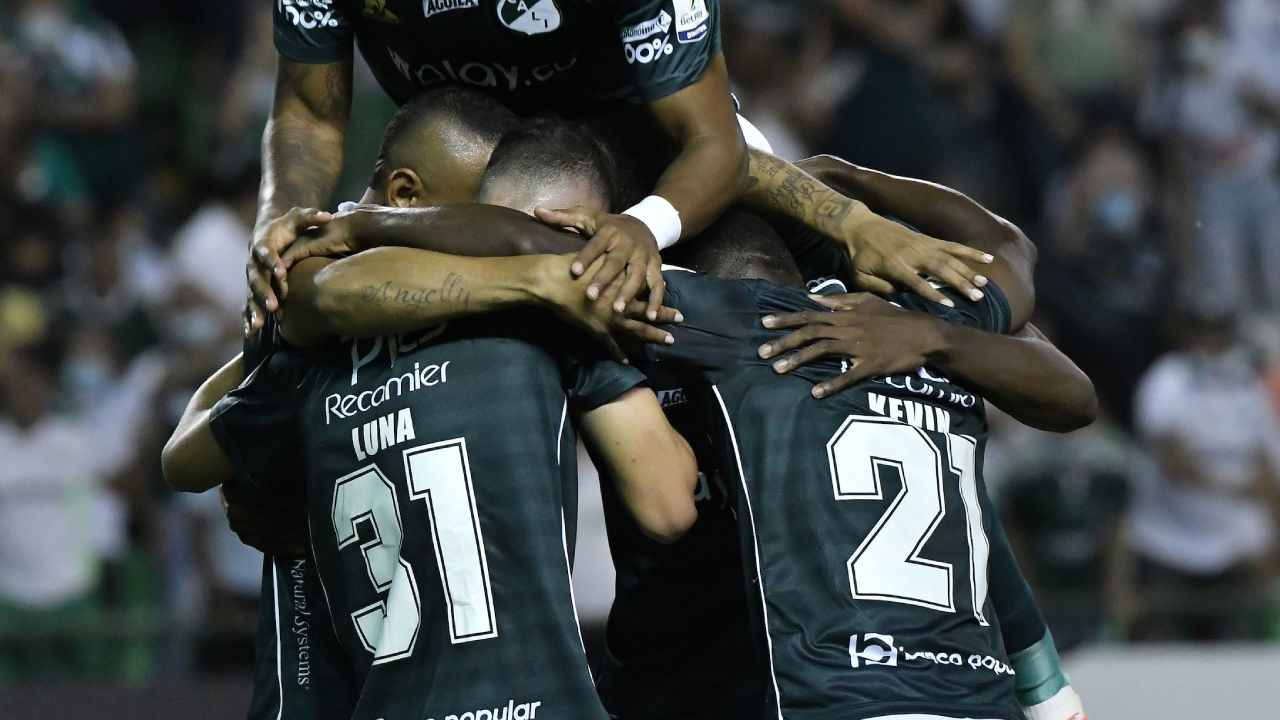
(531, 17)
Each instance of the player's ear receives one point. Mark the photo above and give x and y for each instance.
(404, 188)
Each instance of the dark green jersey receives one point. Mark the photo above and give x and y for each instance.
(679, 636)
(861, 515)
(534, 54)
(437, 504)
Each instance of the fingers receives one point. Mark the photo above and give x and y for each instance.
(613, 270)
(582, 220)
(968, 253)
(307, 217)
(261, 289)
(267, 258)
(782, 321)
(791, 341)
(644, 332)
(634, 279)
(639, 309)
(873, 284)
(657, 287)
(921, 287)
(857, 372)
(809, 353)
(593, 250)
(957, 280)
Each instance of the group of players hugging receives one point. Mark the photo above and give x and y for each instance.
(791, 472)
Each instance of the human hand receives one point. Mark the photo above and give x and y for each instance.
(599, 317)
(885, 253)
(265, 271)
(876, 337)
(632, 258)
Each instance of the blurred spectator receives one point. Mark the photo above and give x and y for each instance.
(1101, 273)
(1218, 104)
(230, 575)
(1203, 524)
(1065, 499)
(56, 524)
(84, 75)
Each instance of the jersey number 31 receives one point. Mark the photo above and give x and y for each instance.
(438, 474)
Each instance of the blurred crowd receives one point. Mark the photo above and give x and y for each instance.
(1136, 141)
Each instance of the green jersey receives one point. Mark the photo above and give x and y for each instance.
(535, 55)
(679, 635)
(437, 508)
(860, 515)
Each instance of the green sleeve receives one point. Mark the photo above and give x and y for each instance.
(256, 424)
(721, 321)
(600, 382)
(312, 31)
(666, 45)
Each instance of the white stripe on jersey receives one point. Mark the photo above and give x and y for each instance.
(275, 600)
(755, 543)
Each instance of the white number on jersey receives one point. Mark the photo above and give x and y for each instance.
(439, 474)
(887, 564)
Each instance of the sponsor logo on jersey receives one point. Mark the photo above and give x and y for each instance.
(648, 28)
(309, 14)
(531, 17)
(870, 649)
(343, 406)
(692, 20)
(511, 711)
(435, 7)
(648, 51)
(301, 622)
(377, 10)
(481, 73)
(672, 397)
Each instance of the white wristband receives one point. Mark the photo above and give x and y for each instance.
(661, 217)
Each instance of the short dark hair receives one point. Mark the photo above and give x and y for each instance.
(548, 149)
(739, 246)
(465, 108)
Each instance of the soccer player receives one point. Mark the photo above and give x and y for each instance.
(697, 644)
(577, 57)
(695, 624)
(494, 495)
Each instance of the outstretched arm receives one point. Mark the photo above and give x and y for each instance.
(396, 290)
(1023, 374)
(942, 212)
(192, 460)
(883, 253)
(651, 464)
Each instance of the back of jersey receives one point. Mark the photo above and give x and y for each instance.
(436, 504)
(861, 514)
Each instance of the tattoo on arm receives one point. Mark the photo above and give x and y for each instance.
(303, 143)
(453, 289)
(785, 188)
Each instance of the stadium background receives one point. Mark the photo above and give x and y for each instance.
(1136, 141)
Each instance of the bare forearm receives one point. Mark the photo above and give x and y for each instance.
(397, 290)
(300, 166)
(708, 175)
(776, 186)
(934, 209)
(472, 230)
(303, 141)
(191, 460)
(1025, 375)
